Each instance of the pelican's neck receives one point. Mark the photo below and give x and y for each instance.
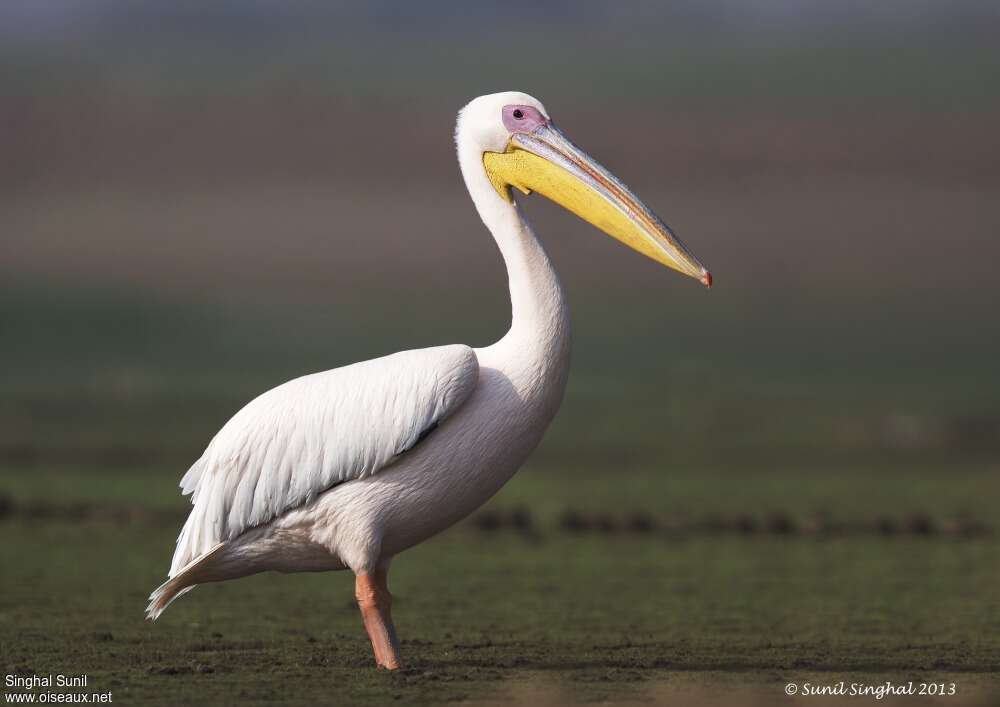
(538, 306)
(538, 339)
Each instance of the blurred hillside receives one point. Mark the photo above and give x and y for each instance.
(202, 199)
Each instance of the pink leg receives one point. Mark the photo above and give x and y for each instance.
(374, 600)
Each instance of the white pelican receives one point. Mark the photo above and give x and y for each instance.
(349, 467)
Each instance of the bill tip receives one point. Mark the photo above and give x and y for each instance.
(706, 278)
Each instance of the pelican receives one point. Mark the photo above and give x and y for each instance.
(347, 468)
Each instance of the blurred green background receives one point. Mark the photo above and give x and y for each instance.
(200, 200)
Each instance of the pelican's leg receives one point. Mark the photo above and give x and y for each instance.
(374, 600)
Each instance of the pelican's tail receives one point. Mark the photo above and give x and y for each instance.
(182, 582)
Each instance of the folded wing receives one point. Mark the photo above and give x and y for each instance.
(304, 437)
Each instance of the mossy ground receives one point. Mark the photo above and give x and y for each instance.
(588, 615)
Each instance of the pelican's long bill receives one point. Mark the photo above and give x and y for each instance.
(546, 161)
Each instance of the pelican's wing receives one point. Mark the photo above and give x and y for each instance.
(302, 438)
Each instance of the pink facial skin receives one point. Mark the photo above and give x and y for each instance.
(523, 119)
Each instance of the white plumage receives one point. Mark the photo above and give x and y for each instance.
(304, 437)
(347, 468)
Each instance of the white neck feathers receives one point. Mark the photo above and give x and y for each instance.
(538, 339)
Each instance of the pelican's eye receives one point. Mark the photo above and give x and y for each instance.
(522, 119)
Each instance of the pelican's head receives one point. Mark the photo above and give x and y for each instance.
(512, 138)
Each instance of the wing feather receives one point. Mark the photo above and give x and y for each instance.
(300, 439)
